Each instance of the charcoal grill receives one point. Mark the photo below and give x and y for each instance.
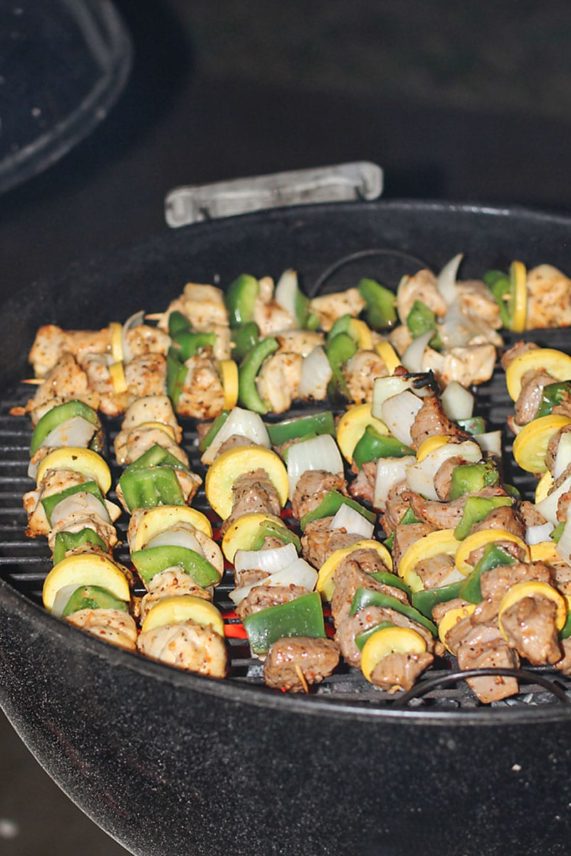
(173, 763)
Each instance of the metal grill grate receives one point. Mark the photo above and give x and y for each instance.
(24, 562)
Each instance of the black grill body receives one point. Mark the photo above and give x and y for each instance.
(171, 763)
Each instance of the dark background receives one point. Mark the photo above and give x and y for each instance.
(464, 101)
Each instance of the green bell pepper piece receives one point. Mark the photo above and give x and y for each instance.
(558, 532)
(477, 509)
(92, 597)
(474, 425)
(300, 617)
(176, 375)
(373, 446)
(492, 557)
(71, 540)
(565, 632)
(178, 323)
(249, 367)
(472, 478)
(390, 541)
(50, 502)
(152, 560)
(154, 457)
(188, 343)
(389, 579)
(330, 505)
(241, 298)
(426, 600)
(365, 597)
(553, 394)
(244, 338)
(502, 290)
(149, 487)
(512, 491)
(301, 426)
(409, 517)
(341, 325)
(57, 416)
(380, 310)
(268, 529)
(213, 430)
(421, 319)
(362, 638)
(339, 350)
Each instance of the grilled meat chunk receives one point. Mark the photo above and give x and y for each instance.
(111, 625)
(435, 571)
(467, 365)
(516, 351)
(312, 487)
(440, 515)
(319, 541)
(494, 585)
(172, 582)
(66, 381)
(203, 305)
(398, 503)
(476, 301)
(353, 573)
(132, 443)
(360, 373)
(252, 493)
(151, 408)
(187, 646)
(300, 342)
(202, 396)
(278, 380)
(530, 628)
(484, 648)
(431, 420)
(51, 343)
(144, 339)
(262, 597)
(548, 298)
(443, 476)
(564, 664)
(407, 534)
(423, 286)
(400, 671)
(316, 659)
(330, 307)
(529, 399)
(507, 517)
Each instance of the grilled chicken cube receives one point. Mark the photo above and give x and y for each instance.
(66, 381)
(187, 646)
(172, 582)
(151, 408)
(330, 307)
(422, 286)
(270, 316)
(144, 339)
(202, 396)
(476, 301)
(278, 380)
(51, 343)
(131, 444)
(203, 305)
(548, 298)
(54, 481)
(111, 625)
(473, 364)
(360, 373)
(300, 342)
(315, 659)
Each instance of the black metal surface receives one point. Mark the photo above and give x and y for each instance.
(171, 763)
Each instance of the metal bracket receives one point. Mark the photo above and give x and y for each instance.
(341, 183)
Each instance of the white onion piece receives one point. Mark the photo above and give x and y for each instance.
(412, 357)
(399, 412)
(457, 402)
(538, 533)
(390, 471)
(319, 453)
(61, 599)
(548, 506)
(564, 545)
(387, 387)
(490, 442)
(447, 279)
(298, 573)
(286, 291)
(176, 538)
(271, 561)
(349, 519)
(33, 470)
(563, 456)
(242, 422)
(135, 320)
(420, 477)
(316, 373)
(76, 431)
(81, 502)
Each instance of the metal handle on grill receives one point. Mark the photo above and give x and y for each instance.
(521, 674)
(341, 183)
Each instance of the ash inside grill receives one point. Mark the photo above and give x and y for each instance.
(24, 563)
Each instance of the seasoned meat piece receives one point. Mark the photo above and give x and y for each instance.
(187, 646)
(144, 339)
(51, 343)
(516, 351)
(262, 597)
(552, 450)
(530, 628)
(131, 444)
(247, 577)
(562, 578)
(398, 503)
(530, 515)
(353, 573)
(350, 626)
(529, 399)
(270, 316)
(473, 363)
(476, 301)
(440, 609)
(203, 395)
(484, 648)
(407, 534)
(422, 286)
(64, 382)
(111, 625)
(233, 442)
(494, 585)
(316, 659)
(364, 485)
(330, 307)
(548, 298)
(400, 671)
(443, 476)
(360, 373)
(278, 380)
(54, 481)
(319, 541)
(172, 582)
(252, 493)
(77, 521)
(152, 408)
(506, 517)
(203, 305)
(400, 338)
(440, 515)
(312, 487)
(300, 342)
(564, 664)
(433, 572)
(146, 375)
(431, 420)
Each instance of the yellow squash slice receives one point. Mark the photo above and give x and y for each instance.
(85, 569)
(325, 584)
(118, 379)
(79, 460)
(388, 355)
(389, 640)
(481, 539)
(518, 276)
(556, 363)
(159, 426)
(450, 619)
(533, 589)
(116, 331)
(433, 544)
(164, 517)
(530, 445)
(175, 610)
(230, 465)
(229, 373)
(240, 534)
(351, 428)
(543, 486)
(431, 444)
(361, 332)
